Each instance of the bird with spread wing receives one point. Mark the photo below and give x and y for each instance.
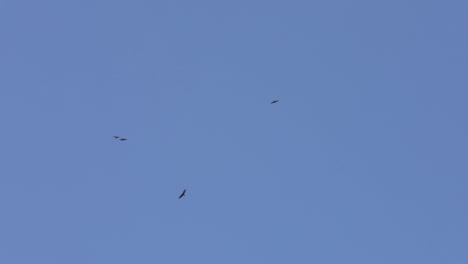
(183, 193)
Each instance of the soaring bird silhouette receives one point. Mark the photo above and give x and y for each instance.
(275, 101)
(183, 193)
(123, 139)
(116, 137)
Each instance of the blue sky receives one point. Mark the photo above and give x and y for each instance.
(362, 161)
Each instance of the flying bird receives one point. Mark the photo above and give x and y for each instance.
(116, 137)
(275, 101)
(183, 193)
(123, 139)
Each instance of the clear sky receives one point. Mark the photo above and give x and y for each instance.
(362, 161)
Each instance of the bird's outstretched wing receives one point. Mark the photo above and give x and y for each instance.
(275, 101)
(116, 136)
(183, 193)
(123, 139)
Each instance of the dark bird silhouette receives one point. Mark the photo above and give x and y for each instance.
(183, 193)
(116, 137)
(275, 101)
(123, 139)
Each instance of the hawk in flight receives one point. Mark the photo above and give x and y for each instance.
(183, 193)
